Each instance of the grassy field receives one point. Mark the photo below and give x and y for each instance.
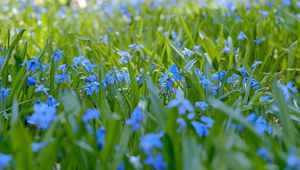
(165, 84)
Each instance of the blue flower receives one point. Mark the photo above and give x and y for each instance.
(31, 81)
(176, 75)
(262, 126)
(243, 71)
(32, 65)
(218, 76)
(100, 134)
(253, 83)
(36, 146)
(135, 47)
(4, 160)
(4, 92)
(201, 105)
(41, 88)
(166, 83)
(202, 129)
(287, 3)
(110, 78)
(181, 123)
(264, 98)
(263, 153)
(197, 48)
(233, 78)
(298, 4)
(242, 36)
(226, 50)
(59, 78)
(51, 101)
(188, 52)
(139, 79)
(91, 114)
(198, 73)
(293, 162)
(157, 162)
(259, 40)
(136, 119)
(287, 90)
(256, 63)
(42, 116)
(182, 103)
(251, 118)
(151, 140)
(1, 61)
(125, 56)
(57, 55)
(77, 61)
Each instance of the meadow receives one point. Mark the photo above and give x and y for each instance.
(138, 84)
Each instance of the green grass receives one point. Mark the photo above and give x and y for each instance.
(26, 34)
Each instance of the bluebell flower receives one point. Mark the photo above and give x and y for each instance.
(264, 98)
(4, 92)
(198, 73)
(202, 129)
(166, 83)
(157, 162)
(139, 79)
(242, 36)
(59, 78)
(100, 134)
(263, 153)
(259, 40)
(218, 76)
(136, 119)
(135, 47)
(264, 13)
(180, 102)
(63, 68)
(1, 61)
(188, 52)
(121, 166)
(233, 78)
(243, 71)
(125, 56)
(32, 65)
(110, 78)
(36, 146)
(174, 70)
(251, 118)
(197, 48)
(287, 3)
(201, 105)
(181, 123)
(31, 81)
(292, 161)
(262, 126)
(88, 65)
(43, 115)
(90, 115)
(57, 55)
(298, 5)
(122, 76)
(77, 61)
(226, 50)
(253, 83)
(4, 160)
(41, 88)
(150, 141)
(105, 38)
(51, 101)
(287, 90)
(256, 63)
